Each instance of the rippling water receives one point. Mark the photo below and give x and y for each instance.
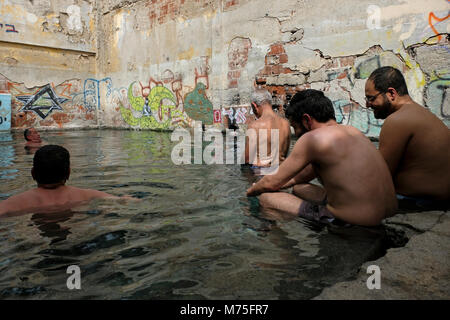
(194, 235)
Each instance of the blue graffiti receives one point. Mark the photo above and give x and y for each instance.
(92, 92)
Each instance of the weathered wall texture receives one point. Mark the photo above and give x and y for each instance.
(47, 54)
(162, 64)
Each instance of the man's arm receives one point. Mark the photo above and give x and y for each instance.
(394, 138)
(16, 203)
(299, 158)
(304, 176)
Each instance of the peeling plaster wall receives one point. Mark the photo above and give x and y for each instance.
(47, 51)
(151, 64)
(208, 55)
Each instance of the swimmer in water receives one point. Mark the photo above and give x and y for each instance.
(51, 170)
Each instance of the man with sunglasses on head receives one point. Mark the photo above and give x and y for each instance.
(413, 141)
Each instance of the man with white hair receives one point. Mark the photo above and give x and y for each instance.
(262, 131)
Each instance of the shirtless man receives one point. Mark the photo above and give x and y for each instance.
(32, 137)
(51, 170)
(357, 185)
(267, 119)
(413, 141)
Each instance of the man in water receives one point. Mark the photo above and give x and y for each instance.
(32, 137)
(357, 185)
(51, 170)
(413, 141)
(260, 132)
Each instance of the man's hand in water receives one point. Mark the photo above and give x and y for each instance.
(252, 191)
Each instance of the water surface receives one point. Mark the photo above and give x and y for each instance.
(193, 235)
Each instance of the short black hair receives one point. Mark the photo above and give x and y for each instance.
(386, 77)
(51, 164)
(312, 102)
(25, 134)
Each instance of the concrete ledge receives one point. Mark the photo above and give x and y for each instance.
(419, 270)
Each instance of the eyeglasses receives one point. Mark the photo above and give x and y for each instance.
(372, 98)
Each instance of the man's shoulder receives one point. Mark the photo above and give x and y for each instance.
(19, 201)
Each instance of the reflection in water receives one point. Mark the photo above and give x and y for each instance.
(7, 155)
(50, 224)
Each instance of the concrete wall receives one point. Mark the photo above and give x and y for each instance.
(47, 51)
(162, 64)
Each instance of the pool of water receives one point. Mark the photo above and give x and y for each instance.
(193, 235)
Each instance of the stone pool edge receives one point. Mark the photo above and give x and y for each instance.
(417, 271)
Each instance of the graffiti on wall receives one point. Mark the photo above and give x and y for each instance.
(237, 59)
(154, 114)
(48, 106)
(161, 104)
(43, 102)
(197, 106)
(431, 18)
(8, 28)
(438, 97)
(92, 92)
(5, 111)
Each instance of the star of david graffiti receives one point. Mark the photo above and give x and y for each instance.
(43, 102)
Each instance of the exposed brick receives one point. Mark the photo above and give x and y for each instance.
(233, 83)
(267, 70)
(283, 58)
(260, 80)
(277, 69)
(272, 60)
(276, 49)
(164, 9)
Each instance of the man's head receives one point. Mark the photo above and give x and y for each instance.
(51, 165)
(306, 106)
(383, 88)
(32, 135)
(259, 98)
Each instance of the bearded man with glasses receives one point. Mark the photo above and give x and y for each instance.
(413, 141)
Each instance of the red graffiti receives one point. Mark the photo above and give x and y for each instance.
(217, 116)
(433, 16)
(203, 72)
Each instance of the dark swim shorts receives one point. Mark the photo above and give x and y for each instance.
(315, 212)
(424, 204)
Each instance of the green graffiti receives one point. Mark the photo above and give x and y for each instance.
(137, 103)
(154, 101)
(197, 105)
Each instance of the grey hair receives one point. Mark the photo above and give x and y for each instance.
(259, 96)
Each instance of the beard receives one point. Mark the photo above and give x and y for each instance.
(383, 111)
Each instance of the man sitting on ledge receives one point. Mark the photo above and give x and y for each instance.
(51, 170)
(357, 185)
(413, 141)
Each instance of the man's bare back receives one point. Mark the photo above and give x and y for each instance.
(423, 144)
(41, 199)
(51, 170)
(260, 132)
(357, 185)
(413, 141)
(268, 122)
(357, 182)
